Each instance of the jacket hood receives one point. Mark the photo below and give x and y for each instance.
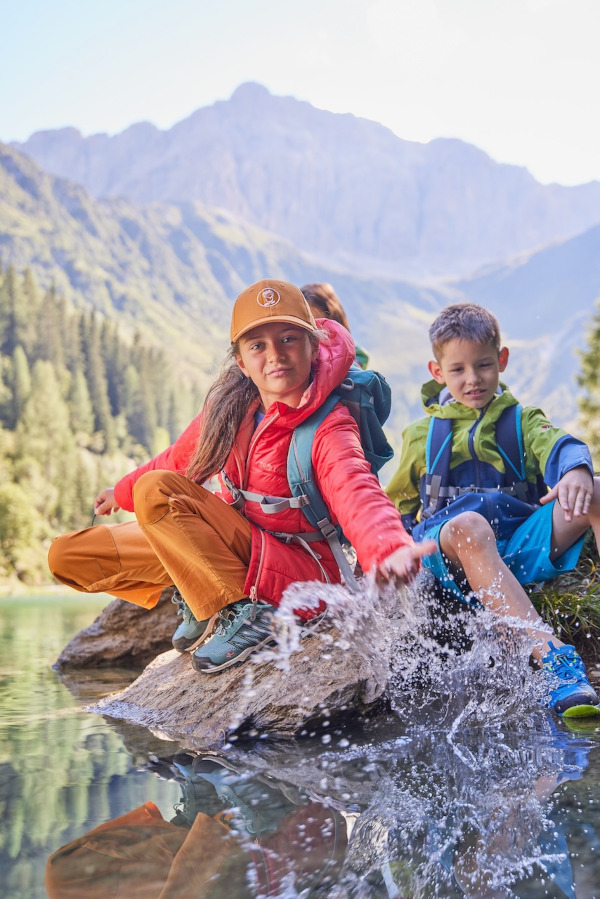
(437, 401)
(335, 356)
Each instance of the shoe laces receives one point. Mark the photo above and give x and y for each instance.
(183, 610)
(227, 617)
(565, 664)
(230, 615)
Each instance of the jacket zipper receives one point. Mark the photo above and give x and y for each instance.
(471, 444)
(265, 423)
(254, 587)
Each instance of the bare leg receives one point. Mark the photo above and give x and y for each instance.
(469, 544)
(566, 533)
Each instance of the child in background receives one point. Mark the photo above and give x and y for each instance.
(325, 303)
(494, 535)
(229, 560)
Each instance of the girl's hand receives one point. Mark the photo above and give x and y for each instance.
(403, 564)
(105, 504)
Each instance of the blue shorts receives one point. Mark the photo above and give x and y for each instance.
(526, 553)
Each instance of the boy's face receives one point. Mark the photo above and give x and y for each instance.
(470, 371)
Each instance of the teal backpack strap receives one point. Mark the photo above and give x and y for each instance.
(438, 450)
(367, 396)
(302, 484)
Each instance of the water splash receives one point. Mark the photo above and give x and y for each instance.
(461, 803)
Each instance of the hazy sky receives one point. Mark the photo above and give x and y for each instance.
(518, 78)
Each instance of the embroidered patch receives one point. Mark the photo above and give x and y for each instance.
(268, 297)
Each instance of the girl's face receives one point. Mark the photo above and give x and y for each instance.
(277, 357)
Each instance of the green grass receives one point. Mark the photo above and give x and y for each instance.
(570, 604)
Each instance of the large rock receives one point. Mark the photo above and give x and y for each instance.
(123, 634)
(367, 649)
(339, 669)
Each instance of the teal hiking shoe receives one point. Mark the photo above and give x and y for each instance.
(245, 626)
(198, 794)
(569, 691)
(190, 631)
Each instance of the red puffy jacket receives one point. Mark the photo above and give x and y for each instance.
(258, 463)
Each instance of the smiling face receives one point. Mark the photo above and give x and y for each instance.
(470, 371)
(277, 357)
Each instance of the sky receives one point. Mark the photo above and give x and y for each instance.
(518, 78)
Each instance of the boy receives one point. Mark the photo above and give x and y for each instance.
(496, 531)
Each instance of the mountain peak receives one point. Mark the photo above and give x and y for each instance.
(250, 91)
(337, 186)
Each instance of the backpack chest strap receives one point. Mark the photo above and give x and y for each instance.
(435, 491)
(270, 505)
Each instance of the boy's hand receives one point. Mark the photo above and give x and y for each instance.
(574, 493)
(403, 564)
(105, 503)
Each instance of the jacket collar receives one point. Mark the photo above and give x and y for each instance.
(437, 401)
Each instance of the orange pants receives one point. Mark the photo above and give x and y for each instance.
(183, 535)
(140, 856)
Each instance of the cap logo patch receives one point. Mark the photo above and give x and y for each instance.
(268, 297)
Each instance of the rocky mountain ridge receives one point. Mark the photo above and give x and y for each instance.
(342, 188)
(172, 270)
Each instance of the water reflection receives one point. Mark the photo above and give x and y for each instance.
(231, 834)
(426, 802)
(412, 814)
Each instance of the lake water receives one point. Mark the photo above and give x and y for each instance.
(407, 806)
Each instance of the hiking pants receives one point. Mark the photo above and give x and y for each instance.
(141, 856)
(184, 535)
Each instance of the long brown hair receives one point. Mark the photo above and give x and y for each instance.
(225, 406)
(325, 303)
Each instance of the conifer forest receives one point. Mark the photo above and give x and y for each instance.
(80, 404)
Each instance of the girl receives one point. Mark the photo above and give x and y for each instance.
(226, 564)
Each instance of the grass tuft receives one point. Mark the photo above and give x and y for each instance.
(570, 603)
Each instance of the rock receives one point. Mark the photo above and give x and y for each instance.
(340, 670)
(123, 634)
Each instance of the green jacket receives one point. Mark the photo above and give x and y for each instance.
(549, 451)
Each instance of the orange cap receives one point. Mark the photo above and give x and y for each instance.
(270, 301)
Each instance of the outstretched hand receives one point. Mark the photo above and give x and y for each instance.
(403, 564)
(105, 504)
(574, 493)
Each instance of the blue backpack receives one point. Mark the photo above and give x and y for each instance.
(436, 489)
(367, 396)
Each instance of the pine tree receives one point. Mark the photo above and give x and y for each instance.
(81, 415)
(32, 305)
(53, 331)
(589, 380)
(11, 312)
(97, 383)
(20, 383)
(45, 447)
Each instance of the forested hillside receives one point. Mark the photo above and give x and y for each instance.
(79, 406)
